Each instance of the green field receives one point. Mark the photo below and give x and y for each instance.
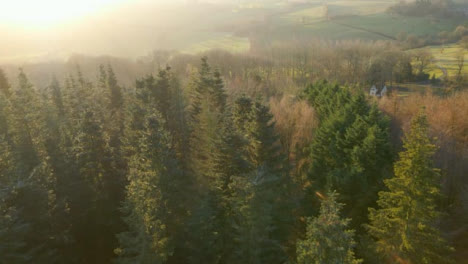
(306, 15)
(392, 25)
(355, 20)
(445, 59)
(220, 41)
(233, 26)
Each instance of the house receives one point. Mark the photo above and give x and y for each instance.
(373, 91)
(383, 92)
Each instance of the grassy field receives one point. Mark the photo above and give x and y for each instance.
(445, 59)
(230, 27)
(358, 8)
(220, 41)
(392, 25)
(306, 15)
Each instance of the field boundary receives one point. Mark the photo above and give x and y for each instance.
(364, 29)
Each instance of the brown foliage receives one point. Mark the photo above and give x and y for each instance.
(448, 118)
(295, 123)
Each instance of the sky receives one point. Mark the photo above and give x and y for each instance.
(49, 13)
(56, 28)
(44, 13)
(43, 30)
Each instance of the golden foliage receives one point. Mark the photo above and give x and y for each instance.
(295, 123)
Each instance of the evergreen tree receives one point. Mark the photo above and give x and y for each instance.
(161, 92)
(210, 244)
(165, 95)
(155, 204)
(27, 123)
(217, 92)
(57, 97)
(327, 239)
(265, 191)
(116, 96)
(200, 87)
(218, 204)
(404, 225)
(351, 149)
(94, 207)
(4, 84)
(13, 230)
(25, 198)
(253, 205)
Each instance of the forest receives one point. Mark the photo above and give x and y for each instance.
(189, 171)
(305, 146)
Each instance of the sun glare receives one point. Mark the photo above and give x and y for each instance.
(43, 13)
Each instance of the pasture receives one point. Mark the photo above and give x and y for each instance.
(445, 60)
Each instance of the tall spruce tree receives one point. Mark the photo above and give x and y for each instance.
(264, 192)
(405, 224)
(155, 205)
(210, 243)
(351, 150)
(92, 206)
(116, 95)
(4, 84)
(328, 239)
(27, 123)
(13, 229)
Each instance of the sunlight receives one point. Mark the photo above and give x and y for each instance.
(45, 13)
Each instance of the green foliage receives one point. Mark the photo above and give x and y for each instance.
(263, 194)
(327, 239)
(253, 200)
(116, 97)
(156, 173)
(4, 85)
(26, 120)
(404, 225)
(213, 161)
(154, 204)
(351, 149)
(13, 230)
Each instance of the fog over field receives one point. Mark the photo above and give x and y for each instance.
(135, 28)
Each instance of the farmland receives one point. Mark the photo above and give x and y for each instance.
(445, 60)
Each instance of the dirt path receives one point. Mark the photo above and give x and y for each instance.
(444, 70)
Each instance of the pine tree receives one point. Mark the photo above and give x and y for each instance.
(57, 97)
(200, 87)
(4, 84)
(207, 104)
(161, 92)
(116, 96)
(24, 198)
(404, 225)
(13, 230)
(58, 169)
(264, 192)
(217, 92)
(253, 206)
(350, 152)
(155, 204)
(93, 206)
(210, 244)
(27, 123)
(327, 239)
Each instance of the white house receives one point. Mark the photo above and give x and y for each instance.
(383, 92)
(373, 91)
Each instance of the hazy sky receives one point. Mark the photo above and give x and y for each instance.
(47, 13)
